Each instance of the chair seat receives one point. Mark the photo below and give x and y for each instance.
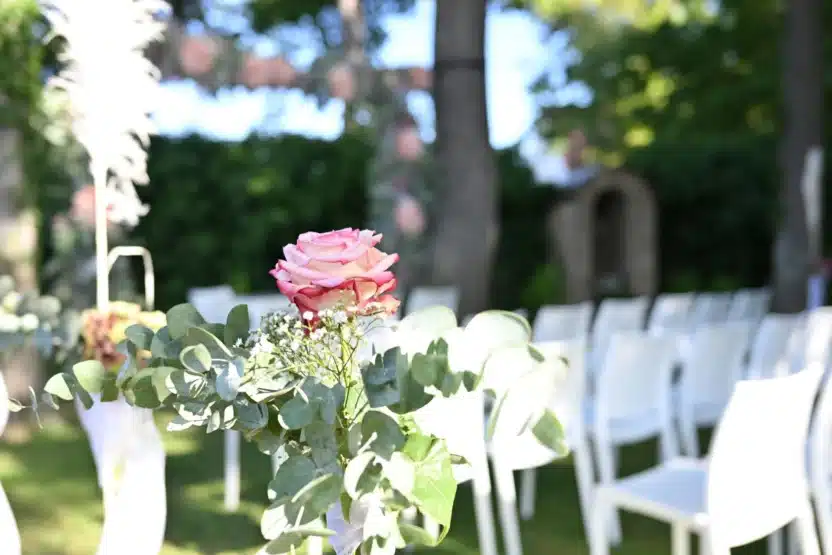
(671, 492)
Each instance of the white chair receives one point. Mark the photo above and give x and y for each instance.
(710, 308)
(749, 304)
(9, 534)
(614, 315)
(460, 421)
(812, 340)
(562, 322)
(633, 402)
(671, 312)
(714, 364)
(214, 303)
(747, 490)
(262, 304)
(769, 351)
(424, 297)
(820, 465)
(510, 452)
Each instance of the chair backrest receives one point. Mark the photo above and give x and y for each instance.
(636, 377)
(757, 471)
(820, 442)
(568, 401)
(812, 340)
(769, 351)
(424, 297)
(749, 304)
(710, 308)
(562, 322)
(261, 305)
(214, 303)
(671, 312)
(715, 363)
(615, 315)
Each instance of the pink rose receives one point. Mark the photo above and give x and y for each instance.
(83, 207)
(338, 268)
(341, 82)
(197, 55)
(409, 144)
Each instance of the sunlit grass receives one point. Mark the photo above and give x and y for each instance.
(52, 487)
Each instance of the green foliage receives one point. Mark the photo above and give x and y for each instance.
(292, 386)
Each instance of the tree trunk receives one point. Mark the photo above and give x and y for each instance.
(467, 224)
(803, 107)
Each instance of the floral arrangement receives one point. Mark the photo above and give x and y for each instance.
(28, 317)
(329, 388)
(102, 332)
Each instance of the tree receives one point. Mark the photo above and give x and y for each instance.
(468, 229)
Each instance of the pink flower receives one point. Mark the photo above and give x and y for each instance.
(409, 216)
(83, 207)
(338, 268)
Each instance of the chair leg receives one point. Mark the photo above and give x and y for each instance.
(680, 539)
(486, 532)
(823, 508)
(507, 506)
(528, 483)
(232, 470)
(690, 441)
(598, 528)
(805, 525)
(606, 467)
(585, 478)
(775, 543)
(793, 540)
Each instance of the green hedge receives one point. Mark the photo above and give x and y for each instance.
(221, 213)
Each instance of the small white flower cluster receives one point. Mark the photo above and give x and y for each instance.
(322, 344)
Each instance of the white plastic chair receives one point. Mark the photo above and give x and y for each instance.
(820, 465)
(714, 365)
(214, 303)
(261, 305)
(749, 304)
(671, 312)
(460, 421)
(9, 534)
(562, 322)
(424, 297)
(614, 315)
(710, 308)
(633, 402)
(812, 340)
(769, 351)
(748, 489)
(511, 452)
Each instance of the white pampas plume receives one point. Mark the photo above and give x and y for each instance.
(111, 89)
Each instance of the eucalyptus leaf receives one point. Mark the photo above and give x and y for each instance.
(90, 375)
(251, 416)
(141, 336)
(549, 432)
(296, 413)
(201, 336)
(267, 442)
(181, 318)
(58, 386)
(292, 475)
(381, 434)
(389, 382)
(229, 378)
(237, 325)
(359, 478)
(196, 359)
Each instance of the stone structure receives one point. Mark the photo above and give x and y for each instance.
(605, 238)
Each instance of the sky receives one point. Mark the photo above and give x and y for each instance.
(516, 52)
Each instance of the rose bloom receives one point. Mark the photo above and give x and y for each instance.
(338, 268)
(255, 72)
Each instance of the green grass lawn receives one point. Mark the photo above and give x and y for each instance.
(52, 488)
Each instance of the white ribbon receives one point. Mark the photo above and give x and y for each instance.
(9, 534)
(130, 460)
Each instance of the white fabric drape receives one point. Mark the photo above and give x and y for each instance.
(130, 460)
(9, 534)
